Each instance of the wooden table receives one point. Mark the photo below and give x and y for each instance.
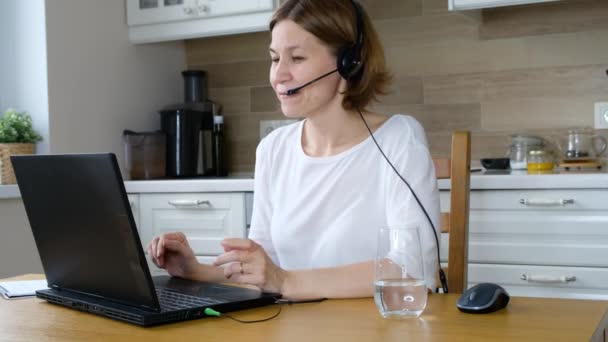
(525, 319)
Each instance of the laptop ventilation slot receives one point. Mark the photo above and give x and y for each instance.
(169, 317)
(103, 311)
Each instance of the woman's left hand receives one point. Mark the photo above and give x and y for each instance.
(248, 263)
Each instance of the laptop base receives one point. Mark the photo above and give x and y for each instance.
(236, 299)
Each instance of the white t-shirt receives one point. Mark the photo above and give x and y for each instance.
(311, 212)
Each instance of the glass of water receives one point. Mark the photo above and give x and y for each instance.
(400, 288)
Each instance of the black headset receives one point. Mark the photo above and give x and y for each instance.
(350, 66)
(349, 62)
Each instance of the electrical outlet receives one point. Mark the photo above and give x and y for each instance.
(601, 115)
(267, 126)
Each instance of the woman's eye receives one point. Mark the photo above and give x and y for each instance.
(295, 59)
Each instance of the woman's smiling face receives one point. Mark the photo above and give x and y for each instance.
(297, 58)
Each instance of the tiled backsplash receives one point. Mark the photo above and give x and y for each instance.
(536, 68)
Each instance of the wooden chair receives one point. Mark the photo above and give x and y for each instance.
(456, 222)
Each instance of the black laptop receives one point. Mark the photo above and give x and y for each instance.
(91, 253)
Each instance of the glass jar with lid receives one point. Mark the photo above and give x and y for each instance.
(539, 160)
(518, 156)
(521, 144)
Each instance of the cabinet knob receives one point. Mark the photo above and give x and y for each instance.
(188, 10)
(188, 203)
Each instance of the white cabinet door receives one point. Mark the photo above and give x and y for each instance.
(544, 281)
(537, 227)
(144, 12)
(248, 209)
(458, 5)
(163, 20)
(205, 218)
(548, 233)
(140, 12)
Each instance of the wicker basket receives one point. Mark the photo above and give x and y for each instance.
(7, 175)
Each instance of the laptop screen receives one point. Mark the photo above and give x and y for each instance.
(83, 226)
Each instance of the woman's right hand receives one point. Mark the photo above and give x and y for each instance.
(172, 252)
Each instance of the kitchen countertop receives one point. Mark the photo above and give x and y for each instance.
(230, 184)
(9, 191)
(521, 179)
(485, 180)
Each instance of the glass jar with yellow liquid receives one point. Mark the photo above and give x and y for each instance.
(539, 160)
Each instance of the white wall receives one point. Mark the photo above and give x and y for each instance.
(99, 83)
(7, 57)
(18, 253)
(70, 65)
(23, 67)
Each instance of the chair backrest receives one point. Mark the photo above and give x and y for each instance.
(456, 222)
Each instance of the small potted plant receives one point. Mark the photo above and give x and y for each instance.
(17, 136)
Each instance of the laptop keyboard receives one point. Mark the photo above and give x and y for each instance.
(171, 300)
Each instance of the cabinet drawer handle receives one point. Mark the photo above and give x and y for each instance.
(547, 279)
(546, 203)
(188, 203)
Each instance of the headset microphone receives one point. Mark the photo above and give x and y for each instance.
(295, 90)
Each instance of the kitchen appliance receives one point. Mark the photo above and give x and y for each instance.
(581, 144)
(189, 129)
(145, 154)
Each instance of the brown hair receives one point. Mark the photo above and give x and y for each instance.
(334, 22)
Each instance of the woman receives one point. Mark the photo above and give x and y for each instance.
(322, 188)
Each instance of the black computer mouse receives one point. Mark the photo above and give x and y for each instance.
(483, 298)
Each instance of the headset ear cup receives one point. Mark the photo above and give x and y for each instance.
(348, 63)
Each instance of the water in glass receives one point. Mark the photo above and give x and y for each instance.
(399, 298)
(400, 289)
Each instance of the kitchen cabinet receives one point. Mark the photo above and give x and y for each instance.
(205, 218)
(459, 5)
(248, 209)
(163, 20)
(538, 242)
